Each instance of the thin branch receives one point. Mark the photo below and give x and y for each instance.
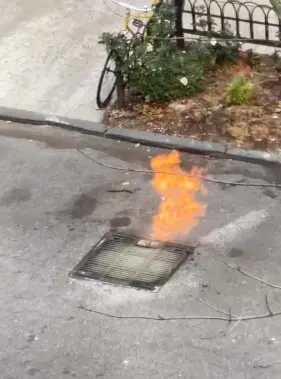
(267, 306)
(230, 330)
(230, 316)
(130, 169)
(209, 305)
(224, 331)
(237, 268)
(259, 317)
(160, 318)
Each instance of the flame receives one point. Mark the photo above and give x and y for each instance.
(179, 211)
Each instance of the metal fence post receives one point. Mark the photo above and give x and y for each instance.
(179, 4)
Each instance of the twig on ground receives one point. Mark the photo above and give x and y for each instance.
(267, 306)
(121, 190)
(230, 330)
(206, 179)
(209, 305)
(160, 318)
(230, 316)
(237, 268)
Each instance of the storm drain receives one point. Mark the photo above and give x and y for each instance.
(131, 261)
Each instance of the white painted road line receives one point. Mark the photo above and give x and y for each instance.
(231, 231)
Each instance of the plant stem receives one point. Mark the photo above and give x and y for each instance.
(120, 90)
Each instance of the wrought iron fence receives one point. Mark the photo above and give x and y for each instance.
(252, 23)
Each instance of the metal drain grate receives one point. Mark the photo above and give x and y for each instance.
(119, 259)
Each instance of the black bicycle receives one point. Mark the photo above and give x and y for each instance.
(107, 81)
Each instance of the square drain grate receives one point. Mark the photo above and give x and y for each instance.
(131, 261)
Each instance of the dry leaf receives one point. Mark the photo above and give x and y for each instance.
(236, 132)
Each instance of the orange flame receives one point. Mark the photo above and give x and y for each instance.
(179, 211)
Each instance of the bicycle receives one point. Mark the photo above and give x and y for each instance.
(136, 15)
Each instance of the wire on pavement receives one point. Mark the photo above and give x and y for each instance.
(204, 178)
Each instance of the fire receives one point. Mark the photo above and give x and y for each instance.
(179, 210)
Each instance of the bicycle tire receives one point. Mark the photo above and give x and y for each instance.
(103, 103)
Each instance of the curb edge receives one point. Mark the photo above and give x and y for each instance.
(213, 149)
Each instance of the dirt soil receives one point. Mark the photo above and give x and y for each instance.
(206, 116)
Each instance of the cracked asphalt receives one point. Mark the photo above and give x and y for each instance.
(55, 205)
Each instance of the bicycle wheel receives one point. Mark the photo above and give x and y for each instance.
(107, 83)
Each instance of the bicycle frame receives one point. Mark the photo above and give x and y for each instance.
(137, 15)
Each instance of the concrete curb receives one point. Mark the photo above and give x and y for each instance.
(168, 142)
(27, 117)
(145, 138)
(258, 156)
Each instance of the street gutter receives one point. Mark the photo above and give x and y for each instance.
(189, 145)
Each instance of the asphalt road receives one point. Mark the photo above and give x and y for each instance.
(54, 206)
(50, 56)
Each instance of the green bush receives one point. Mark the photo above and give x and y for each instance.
(164, 74)
(157, 68)
(240, 91)
(224, 48)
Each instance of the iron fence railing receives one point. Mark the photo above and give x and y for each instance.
(248, 21)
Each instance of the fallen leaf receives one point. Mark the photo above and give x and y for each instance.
(236, 132)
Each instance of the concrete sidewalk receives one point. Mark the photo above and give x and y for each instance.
(55, 206)
(50, 58)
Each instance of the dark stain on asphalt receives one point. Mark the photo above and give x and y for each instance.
(235, 253)
(30, 338)
(15, 195)
(224, 186)
(118, 222)
(83, 206)
(269, 193)
(51, 137)
(121, 190)
(33, 371)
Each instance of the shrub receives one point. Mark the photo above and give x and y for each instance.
(240, 91)
(224, 49)
(202, 49)
(157, 68)
(164, 75)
